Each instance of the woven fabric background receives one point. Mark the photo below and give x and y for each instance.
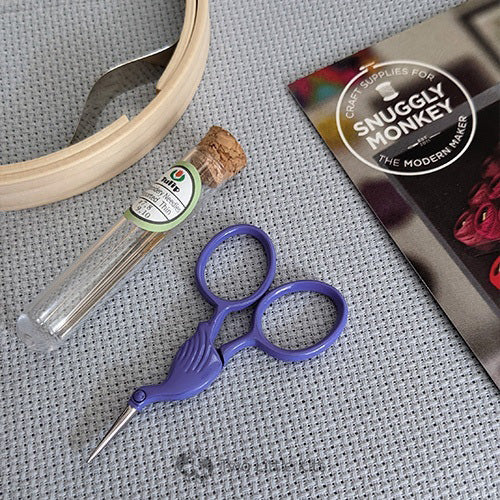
(399, 408)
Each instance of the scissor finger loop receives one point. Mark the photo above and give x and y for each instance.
(257, 338)
(224, 306)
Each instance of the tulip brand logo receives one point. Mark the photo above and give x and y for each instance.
(178, 175)
(405, 117)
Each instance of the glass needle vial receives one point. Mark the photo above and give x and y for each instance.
(61, 308)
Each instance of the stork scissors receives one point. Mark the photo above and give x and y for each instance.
(198, 362)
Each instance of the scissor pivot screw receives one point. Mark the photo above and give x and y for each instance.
(139, 396)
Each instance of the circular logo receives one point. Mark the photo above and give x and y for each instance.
(177, 175)
(405, 117)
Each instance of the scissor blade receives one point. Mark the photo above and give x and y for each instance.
(121, 421)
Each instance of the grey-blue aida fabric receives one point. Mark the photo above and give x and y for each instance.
(399, 408)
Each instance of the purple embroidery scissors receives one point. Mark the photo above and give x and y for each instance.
(198, 362)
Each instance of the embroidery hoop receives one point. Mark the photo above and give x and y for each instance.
(85, 165)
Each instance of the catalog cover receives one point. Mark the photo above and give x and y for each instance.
(414, 121)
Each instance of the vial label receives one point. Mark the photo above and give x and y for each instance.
(167, 202)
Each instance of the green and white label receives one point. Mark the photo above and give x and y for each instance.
(167, 202)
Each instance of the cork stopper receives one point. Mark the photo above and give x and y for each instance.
(229, 157)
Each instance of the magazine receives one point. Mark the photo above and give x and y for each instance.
(414, 121)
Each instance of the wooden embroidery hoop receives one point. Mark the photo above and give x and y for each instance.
(84, 165)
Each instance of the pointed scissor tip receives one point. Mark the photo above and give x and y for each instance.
(96, 452)
(126, 415)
